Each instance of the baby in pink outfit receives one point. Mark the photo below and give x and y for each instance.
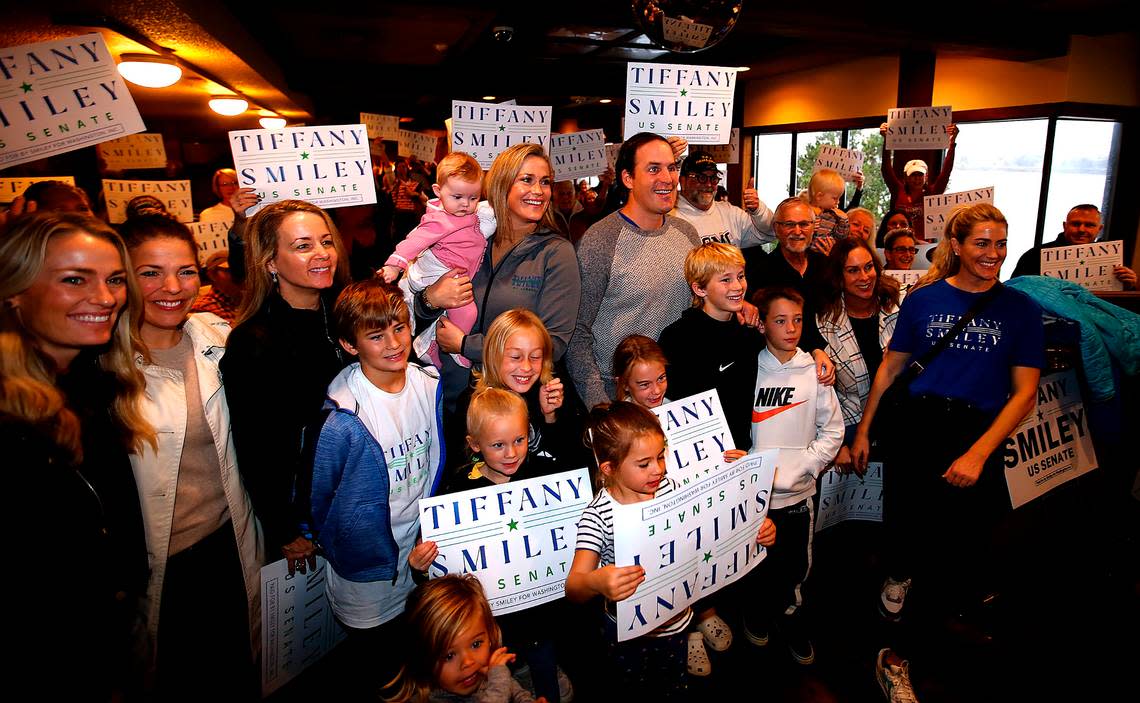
(452, 234)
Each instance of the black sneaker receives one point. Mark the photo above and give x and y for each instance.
(798, 641)
(756, 635)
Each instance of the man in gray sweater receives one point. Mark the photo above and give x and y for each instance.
(633, 266)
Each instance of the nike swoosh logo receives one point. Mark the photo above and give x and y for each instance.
(722, 368)
(761, 417)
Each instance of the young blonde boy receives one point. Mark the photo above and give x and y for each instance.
(708, 347)
(451, 235)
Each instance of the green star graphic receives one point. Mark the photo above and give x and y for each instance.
(1082, 263)
(502, 128)
(708, 557)
(304, 154)
(513, 524)
(26, 87)
(684, 92)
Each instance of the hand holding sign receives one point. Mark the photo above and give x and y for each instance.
(422, 555)
(242, 200)
(751, 197)
(617, 582)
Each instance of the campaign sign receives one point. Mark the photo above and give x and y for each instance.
(936, 209)
(918, 127)
(686, 32)
(697, 435)
(12, 188)
(850, 497)
(328, 166)
(383, 127)
(612, 154)
(725, 153)
(297, 623)
(691, 542)
(1089, 265)
(517, 537)
(174, 194)
(1052, 445)
(61, 95)
(694, 102)
(484, 130)
(134, 151)
(417, 144)
(578, 154)
(847, 162)
(905, 277)
(211, 237)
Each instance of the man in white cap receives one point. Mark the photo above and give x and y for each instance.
(720, 221)
(907, 195)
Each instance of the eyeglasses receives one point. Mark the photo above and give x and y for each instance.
(905, 250)
(801, 224)
(711, 179)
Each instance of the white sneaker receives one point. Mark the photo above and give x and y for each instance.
(894, 679)
(892, 598)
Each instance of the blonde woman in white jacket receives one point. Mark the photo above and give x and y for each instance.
(202, 609)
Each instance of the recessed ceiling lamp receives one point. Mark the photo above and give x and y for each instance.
(228, 105)
(272, 122)
(488, 97)
(149, 70)
(743, 68)
(605, 101)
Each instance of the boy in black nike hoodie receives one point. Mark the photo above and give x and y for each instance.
(708, 347)
(794, 413)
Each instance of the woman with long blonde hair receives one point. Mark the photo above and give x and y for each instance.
(280, 359)
(528, 265)
(69, 417)
(943, 497)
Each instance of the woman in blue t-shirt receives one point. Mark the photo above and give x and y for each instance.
(945, 485)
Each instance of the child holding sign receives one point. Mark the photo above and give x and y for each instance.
(794, 413)
(629, 446)
(452, 651)
(497, 431)
(451, 235)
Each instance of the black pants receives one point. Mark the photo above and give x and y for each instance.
(203, 625)
(777, 583)
(939, 534)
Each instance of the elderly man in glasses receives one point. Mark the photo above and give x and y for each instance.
(720, 221)
(792, 264)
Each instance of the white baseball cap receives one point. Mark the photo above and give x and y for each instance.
(915, 166)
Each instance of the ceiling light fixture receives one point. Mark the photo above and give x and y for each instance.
(228, 105)
(149, 70)
(605, 101)
(743, 68)
(272, 122)
(488, 97)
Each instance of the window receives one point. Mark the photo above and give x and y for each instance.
(1083, 158)
(772, 156)
(1008, 155)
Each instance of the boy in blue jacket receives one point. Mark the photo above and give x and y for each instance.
(379, 451)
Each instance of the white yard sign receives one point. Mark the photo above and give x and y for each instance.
(850, 497)
(936, 209)
(694, 102)
(697, 435)
(518, 537)
(328, 166)
(578, 154)
(1052, 445)
(417, 144)
(725, 153)
(691, 542)
(847, 162)
(297, 623)
(175, 195)
(59, 96)
(12, 188)
(211, 237)
(484, 130)
(134, 151)
(918, 127)
(1088, 265)
(384, 127)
